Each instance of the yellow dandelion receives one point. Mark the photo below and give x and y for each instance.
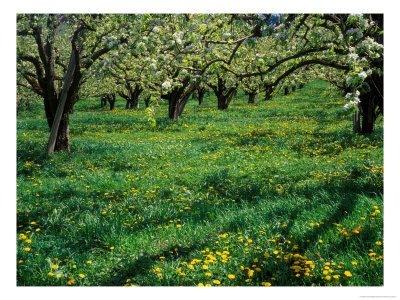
(81, 276)
(54, 267)
(200, 284)
(217, 282)
(328, 277)
(59, 275)
(348, 273)
(50, 274)
(231, 276)
(205, 267)
(265, 284)
(354, 263)
(208, 274)
(27, 249)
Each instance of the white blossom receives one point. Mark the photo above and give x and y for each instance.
(166, 85)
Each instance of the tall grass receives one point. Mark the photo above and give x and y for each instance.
(280, 193)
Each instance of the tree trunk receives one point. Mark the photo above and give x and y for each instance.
(252, 98)
(356, 120)
(268, 92)
(368, 113)
(201, 97)
(62, 140)
(177, 99)
(286, 91)
(224, 100)
(370, 102)
(111, 100)
(147, 101)
(293, 88)
(103, 101)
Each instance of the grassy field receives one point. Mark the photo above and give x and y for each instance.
(280, 193)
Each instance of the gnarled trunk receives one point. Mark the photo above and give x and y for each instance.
(62, 140)
(268, 92)
(252, 98)
(178, 98)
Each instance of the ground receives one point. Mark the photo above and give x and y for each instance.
(280, 193)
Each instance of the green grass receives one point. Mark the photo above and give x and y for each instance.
(278, 193)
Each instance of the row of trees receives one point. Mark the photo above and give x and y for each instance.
(62, 58)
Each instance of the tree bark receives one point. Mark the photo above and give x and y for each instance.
(201, 97)
(62, 140)
(147, 101)
(252, 98)
(111, 100)
(268, 92)
(286, 90)
(356, 120)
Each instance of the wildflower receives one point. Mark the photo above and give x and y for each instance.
(50, 274)
(111, 248)
(208, 274)
(81, 276)
(328, 277)
(336, 276)
(205, 267)
(348, 273)
(354, 263)
(320, 241)
(59, 275)
(89, 262)
(250, 272)
(231, 276)
(54, 267)
(27, 249)
(217, 282)
(28, 241)
(71, 281)
(378, 243)
(200, 284)
(265, 284)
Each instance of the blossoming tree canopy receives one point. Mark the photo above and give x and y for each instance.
(171, 55)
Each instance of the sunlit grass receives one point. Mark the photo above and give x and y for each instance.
(278, 193)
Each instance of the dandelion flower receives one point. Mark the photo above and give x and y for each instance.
(265, 284)
(217, 282)
(50, 274)
(354, 263)
(81, 276)
(200, 284)
(54, 267)
(231, 276)
(348, 273)
(27, 249)
(205, 267)
(328, 277)
(59, 275)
